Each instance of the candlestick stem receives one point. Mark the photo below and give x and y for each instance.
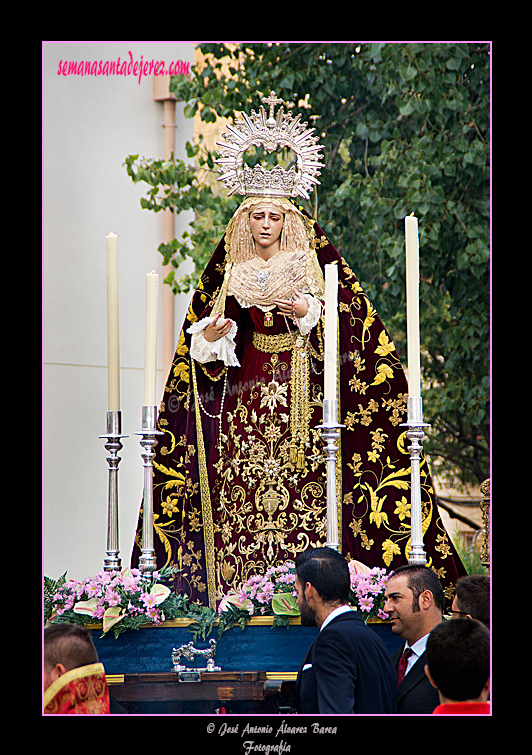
(113, 437)
(148, 433)
(331, 435)
(415, 435)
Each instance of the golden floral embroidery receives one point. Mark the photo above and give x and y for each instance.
(363, 415)
(355, 465)
(356, 526)
(443, 545)
(358, 363)
(378, 443)
(385, 345)
(257, 530)
(358, 386)
(378, 516)
(397, 407)
(389, 550)
(273, 394)
(369, 500)
(181, 347)
(402, 509)
(191, 561)
(266, 481)
(384, 372)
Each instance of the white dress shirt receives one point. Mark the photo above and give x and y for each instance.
(418, 648)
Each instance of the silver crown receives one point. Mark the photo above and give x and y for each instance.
(271, 132)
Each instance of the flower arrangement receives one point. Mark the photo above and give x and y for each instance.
(120, 600)
(129, 599)
(274, 594)
(367, 590)
(271, 594)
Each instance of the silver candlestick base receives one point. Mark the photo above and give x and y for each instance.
(147, 561)
(415, 435)
(331, 435)
(113, 437)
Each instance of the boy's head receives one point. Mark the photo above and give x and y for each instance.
(458, 659)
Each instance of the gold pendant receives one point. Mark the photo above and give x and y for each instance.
(268, 320)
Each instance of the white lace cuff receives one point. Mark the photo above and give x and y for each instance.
(307, 322)
(209, 351)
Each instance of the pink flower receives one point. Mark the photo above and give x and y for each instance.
(130, 584)
(148, 599)
(112, 597)
(366, 604)
(154, 614)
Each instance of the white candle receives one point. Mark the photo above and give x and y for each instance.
(412, 305)
(113, 350)
(150, 363)
(331, 332)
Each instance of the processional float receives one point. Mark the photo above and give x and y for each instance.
(274, 135)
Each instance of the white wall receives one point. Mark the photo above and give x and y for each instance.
(90, 125)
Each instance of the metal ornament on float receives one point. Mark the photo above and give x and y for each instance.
(113, 438)
(148, 433)
(415, 435)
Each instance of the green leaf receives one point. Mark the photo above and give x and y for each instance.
(407, 109)
(190, 110)
(453, 64)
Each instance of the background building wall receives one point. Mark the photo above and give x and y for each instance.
(91, 123)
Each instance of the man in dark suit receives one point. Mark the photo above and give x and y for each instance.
(347, 669)
(414, 602)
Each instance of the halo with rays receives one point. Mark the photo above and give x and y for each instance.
(272, 132)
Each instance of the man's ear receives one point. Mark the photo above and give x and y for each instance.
(426, 599)
(57, 671)
(310, 592)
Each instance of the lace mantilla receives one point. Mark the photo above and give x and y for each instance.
(258, 282)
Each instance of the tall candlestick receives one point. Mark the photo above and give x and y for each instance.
(331, 332)
(150, 363)
(412, 305)
(113, 350)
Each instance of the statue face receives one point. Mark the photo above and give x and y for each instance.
(266, 224)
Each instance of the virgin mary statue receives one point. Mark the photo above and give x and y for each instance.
(239, 472)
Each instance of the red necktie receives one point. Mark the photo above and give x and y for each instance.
(401, 667)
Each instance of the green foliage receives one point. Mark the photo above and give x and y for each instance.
(469, 556)
(405, 128)
(51, 586)
(235, 616)
(174, 186)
